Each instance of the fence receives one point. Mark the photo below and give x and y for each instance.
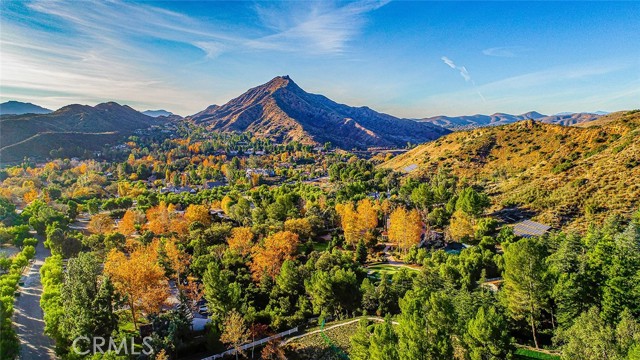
(253, 344)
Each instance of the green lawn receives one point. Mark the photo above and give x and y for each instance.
(526, 354)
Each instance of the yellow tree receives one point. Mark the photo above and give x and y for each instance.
(367, 218)
(178, 259)
(302, 227)
(268, 257)
(158, 219)
(235, 332)
(241, 240)
(405, 228)
(100, 224)
(198, 213)
(461, 227)
(127, 224)
(349, 222)
(140, 278)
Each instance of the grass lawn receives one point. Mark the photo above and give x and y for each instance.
(376, 271)
(315, 347)
(527, 354)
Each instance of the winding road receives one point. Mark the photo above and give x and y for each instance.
(28, 316)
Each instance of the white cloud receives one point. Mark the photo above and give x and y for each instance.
(317, 28)
(89, 51)
(505, 51)
(464, 73)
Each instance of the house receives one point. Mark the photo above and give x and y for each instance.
(214, 184)
(530, 228)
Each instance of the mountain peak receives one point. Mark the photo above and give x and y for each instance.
(282, 111)
(278, 82)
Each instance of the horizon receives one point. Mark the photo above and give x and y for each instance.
(439, 58)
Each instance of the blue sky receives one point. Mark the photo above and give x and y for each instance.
(409, 59)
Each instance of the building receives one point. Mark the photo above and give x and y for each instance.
(530, 228)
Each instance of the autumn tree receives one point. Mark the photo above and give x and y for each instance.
(302, 227)
(241, 240)
(359, 221)
(100, 224)
(128, 223)
(405, 228)
(268, 257)
(235, 332)
(178, 259)
(199, 213)
(140, 278)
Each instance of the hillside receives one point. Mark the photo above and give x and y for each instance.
(565, 175)
(72, 126)
(19, 108)
(157, 113)
(282, 111)
(474, 121)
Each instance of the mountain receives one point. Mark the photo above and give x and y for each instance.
(470, 121)
(156, 113)
(19, 108)
(474, 121)
(566, 176)
(569, 119)
(73, 126)
(282, 111)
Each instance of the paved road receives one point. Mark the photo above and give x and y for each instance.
(28, 316)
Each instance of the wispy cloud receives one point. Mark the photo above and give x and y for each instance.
(463, 72)
(57, 52)
(505, 51)
(319, 27)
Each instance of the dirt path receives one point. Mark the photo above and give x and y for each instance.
(28, 316)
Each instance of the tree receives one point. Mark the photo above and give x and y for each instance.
(525, 288)
(235, 332)
(199, 213)
(178, 259)
(241, 240)
(127, 225)
(222, 295)
(361, 252)
(360, 342)
(87, 299)
(461, 227)
(268, 257)
(100, 224)
(487, 336)
(405, 228)
(472, 202)
(140, 278)
(589, 338)
(273, 351)
(413, 340)
(302, 227)
(384, 342)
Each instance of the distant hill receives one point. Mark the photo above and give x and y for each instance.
(19, 108)
(156, 113)
(282, 111)
(82, 126)
(474, 121)
(566, 175)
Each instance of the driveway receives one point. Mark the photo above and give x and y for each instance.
(28, 316)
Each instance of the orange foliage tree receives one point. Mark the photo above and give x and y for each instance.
(405, 228)
(140, 278)
(178, 259)
(357, 222)
(163, 219)
(241, 240)
(268, 257)
(198, 213)
(127, 224)
(100, 224)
